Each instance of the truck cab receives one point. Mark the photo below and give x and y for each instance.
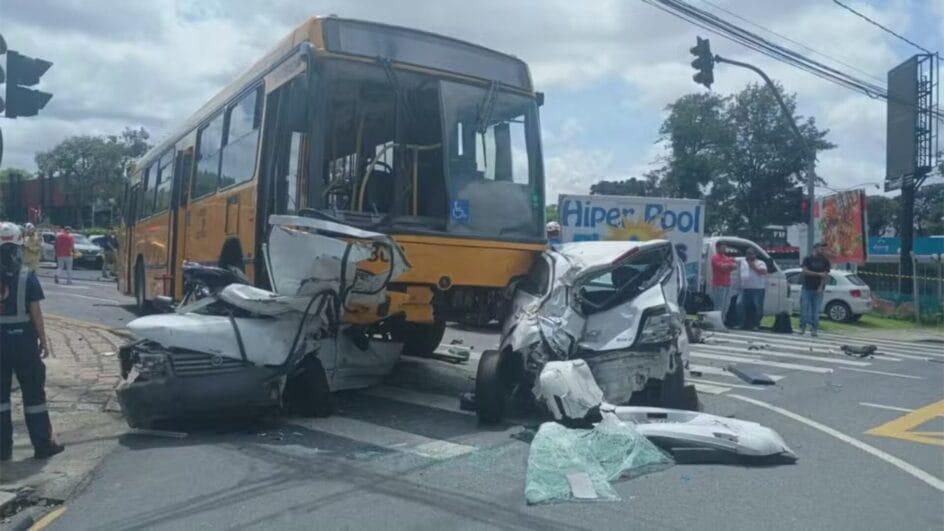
(776, 298)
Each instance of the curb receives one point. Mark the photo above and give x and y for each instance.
(88, 324)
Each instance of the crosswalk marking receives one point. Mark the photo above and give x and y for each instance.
(884, 345)
(718, 371)
(771, 352)
(883, 373)
(724, 384)
(711, 389)
(791, 345)
(755, 361)
(418, 398)
(384, 437)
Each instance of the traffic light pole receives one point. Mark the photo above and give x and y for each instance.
(811, 156)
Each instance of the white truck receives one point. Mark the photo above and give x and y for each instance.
(776, 296)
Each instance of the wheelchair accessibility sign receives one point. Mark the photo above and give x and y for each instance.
(459, 211)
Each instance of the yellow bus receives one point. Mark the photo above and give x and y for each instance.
(432, 140)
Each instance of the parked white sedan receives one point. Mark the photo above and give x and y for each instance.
(846, 298)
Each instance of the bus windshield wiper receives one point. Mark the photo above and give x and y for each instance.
(485, 109)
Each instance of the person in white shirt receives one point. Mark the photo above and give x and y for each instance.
(752, 273)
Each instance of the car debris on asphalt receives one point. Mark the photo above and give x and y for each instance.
(592, 443)
(858, 351)
(749, 375)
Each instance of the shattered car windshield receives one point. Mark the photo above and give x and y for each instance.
(625, 280)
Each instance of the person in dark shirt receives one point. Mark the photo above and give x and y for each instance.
(22, 347)
(815, 275)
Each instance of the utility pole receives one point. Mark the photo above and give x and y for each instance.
(704, 63)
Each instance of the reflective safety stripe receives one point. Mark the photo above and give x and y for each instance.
(5, 406)
(32, 410)
(22, 312)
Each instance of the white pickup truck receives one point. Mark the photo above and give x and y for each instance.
(776, 298)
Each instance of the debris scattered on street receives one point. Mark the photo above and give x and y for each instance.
(158, 433)
(579, 464)
(751, 376)
(859, 351)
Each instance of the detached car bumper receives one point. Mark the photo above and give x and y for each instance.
(193, 386)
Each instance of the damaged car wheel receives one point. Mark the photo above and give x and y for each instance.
(307, 392)
(490, 388)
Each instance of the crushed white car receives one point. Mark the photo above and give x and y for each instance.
(247, 350)
(617, 305)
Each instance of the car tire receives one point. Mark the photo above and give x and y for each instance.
(490, 388)
(839, 312)
(420, 339)
(307, 393)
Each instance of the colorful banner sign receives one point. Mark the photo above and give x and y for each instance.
(840, 224)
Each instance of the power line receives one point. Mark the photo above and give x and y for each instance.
(792, 41)
(876, 24)
(721, 27)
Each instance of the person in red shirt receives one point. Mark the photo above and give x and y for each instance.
(65, 246)
(721, 267)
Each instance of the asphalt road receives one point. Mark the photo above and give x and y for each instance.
(404, 456)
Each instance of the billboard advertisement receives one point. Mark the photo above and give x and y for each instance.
(616, 217)
(840, 223)
(902, 115)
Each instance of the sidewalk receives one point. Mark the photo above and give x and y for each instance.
(81, 374)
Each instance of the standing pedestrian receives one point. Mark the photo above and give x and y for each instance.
(32, 247)
(753, 277)
(110, 250)
(65, 247)
(815, 275)
(22, 347)
(553, 230)
(721, 267)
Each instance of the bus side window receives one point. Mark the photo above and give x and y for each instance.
(164, 180)
(209, 142)
(145, 198)
(242, 139)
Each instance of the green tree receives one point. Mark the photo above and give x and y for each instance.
(882, 214)
(550, 213)
(13, 208)
(698, 134)
(93, 168)
(741, 155)
(929, 210)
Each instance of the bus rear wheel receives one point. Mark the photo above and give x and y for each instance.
(420, 339)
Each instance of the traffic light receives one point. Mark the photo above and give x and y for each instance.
(704, 62)
(22, 72)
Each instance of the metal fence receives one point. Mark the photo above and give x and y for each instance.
(927, 302)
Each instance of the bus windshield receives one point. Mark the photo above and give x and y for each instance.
(411, 152)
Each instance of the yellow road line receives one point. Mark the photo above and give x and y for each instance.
(902, 427)
(49, 518)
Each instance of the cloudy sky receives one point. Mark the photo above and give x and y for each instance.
(608, 67)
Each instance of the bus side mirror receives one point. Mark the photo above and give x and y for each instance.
(539, 96)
